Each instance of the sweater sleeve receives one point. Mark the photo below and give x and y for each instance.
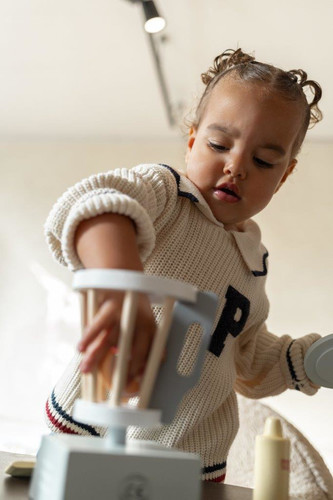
(140, 193)
(267, 365)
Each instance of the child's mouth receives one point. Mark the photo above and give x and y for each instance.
(227, 192)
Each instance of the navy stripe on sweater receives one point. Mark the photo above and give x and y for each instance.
(71, 420)
(176, 175)
(264, 271)
(292, 369)
(213, 468)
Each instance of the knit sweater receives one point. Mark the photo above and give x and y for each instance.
(179, 237)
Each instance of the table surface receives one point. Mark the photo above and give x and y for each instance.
(18, 488)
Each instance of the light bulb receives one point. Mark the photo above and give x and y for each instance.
(155, 25)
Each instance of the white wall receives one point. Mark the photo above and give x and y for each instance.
(297, 229)
(38, 313)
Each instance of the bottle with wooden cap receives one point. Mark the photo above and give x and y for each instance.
(272, 459)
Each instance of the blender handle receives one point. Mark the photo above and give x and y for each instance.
(170, 385)
(318, 362)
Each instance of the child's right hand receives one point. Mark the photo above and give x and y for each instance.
(108, 241)
(102, 334)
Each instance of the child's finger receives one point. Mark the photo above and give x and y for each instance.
(107, 366)
(97, 349)
(140, 351)
(106, 317)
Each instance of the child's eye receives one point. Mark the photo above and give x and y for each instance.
(262, 163)
(217, 147)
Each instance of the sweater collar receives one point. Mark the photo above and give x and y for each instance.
(188, 187)
(247, 238)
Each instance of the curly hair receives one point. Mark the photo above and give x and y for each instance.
(292, 85)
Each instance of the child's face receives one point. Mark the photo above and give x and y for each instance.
(240, 154)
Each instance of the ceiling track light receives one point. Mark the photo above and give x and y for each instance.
(154, 23)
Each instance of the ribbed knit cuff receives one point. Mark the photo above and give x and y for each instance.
(295, 375)
(106, 202)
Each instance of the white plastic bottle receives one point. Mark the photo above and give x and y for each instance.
(272, 459)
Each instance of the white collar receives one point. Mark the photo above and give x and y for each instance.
(247, 238)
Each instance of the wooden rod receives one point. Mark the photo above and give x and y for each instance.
(127, 324)
(156, 354)
(89, 380)
(83, 309)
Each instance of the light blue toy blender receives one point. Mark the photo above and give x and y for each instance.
(71, 467)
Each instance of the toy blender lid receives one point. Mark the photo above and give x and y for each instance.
(318, 362)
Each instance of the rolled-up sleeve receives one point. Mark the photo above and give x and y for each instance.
(141, 193)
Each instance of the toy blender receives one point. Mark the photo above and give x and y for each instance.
(72, 467)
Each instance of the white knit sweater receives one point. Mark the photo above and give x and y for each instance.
(179, 237)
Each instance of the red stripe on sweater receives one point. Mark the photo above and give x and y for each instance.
(219, 479)
(56, 423)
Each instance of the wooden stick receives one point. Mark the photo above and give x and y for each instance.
(89, 380)
(127, 323)
(83, 306)
(156, 354)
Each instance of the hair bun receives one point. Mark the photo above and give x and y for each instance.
(228, 59)
(300, 77)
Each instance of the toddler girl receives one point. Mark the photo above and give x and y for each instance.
(196, 227)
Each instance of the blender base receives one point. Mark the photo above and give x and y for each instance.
(82, 468)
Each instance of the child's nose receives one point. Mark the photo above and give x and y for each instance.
(235, 167)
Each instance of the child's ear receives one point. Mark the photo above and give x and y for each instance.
(190, 142)
(289, 170)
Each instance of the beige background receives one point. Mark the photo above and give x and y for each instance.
(38, 312)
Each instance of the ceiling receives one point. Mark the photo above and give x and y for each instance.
(79, 69)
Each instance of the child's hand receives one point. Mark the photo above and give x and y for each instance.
(102, 333)
(108, 241)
